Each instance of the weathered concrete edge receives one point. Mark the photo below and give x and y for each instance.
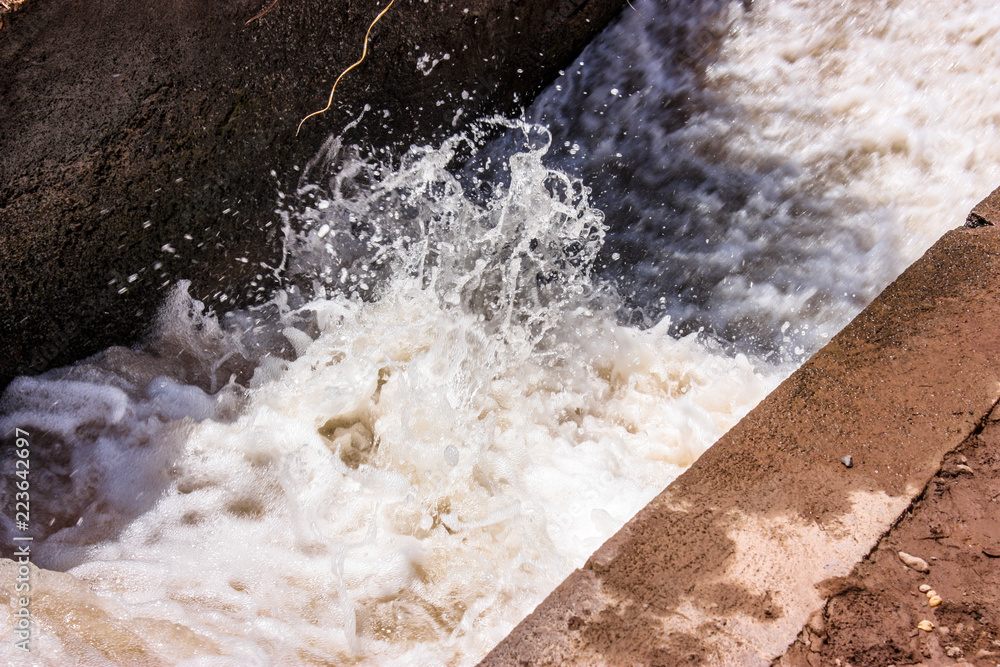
(727, 564)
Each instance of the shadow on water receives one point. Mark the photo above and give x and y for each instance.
(707, 223)
(103, 435)
(711, 221)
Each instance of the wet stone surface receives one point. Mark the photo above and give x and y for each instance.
(145, 144)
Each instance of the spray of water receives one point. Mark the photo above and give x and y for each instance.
(393, 472)
(766, 169)
(442, 415)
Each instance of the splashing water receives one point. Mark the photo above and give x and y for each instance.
(779, 162)
(396, 469)
(398, 493)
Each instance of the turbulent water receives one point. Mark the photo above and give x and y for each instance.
(780, 163)
(474, 377)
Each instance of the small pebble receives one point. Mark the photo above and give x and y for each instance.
(925, 625)
(914, 563)
(961, 467)
(935, 601)
(817, 622)
(924, 588)
(847, 461)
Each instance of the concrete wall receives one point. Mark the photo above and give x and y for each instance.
(728, 563)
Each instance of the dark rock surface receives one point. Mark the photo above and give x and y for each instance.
(138, 138)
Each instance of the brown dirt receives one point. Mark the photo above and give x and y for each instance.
(955, 527)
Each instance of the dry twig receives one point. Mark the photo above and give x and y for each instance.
(364, 53)
(269, 8)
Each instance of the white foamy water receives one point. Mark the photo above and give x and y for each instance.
(781, 164)
(396, 471)
(428, 467)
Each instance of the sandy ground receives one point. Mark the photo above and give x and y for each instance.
(872, 618)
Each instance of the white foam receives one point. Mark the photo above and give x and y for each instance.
(783, 162)
(397, 494)
(398, 480)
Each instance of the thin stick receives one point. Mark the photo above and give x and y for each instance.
(364, 53)
(269, 8)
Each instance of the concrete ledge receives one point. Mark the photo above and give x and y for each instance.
(727, 564)
(879, 616)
